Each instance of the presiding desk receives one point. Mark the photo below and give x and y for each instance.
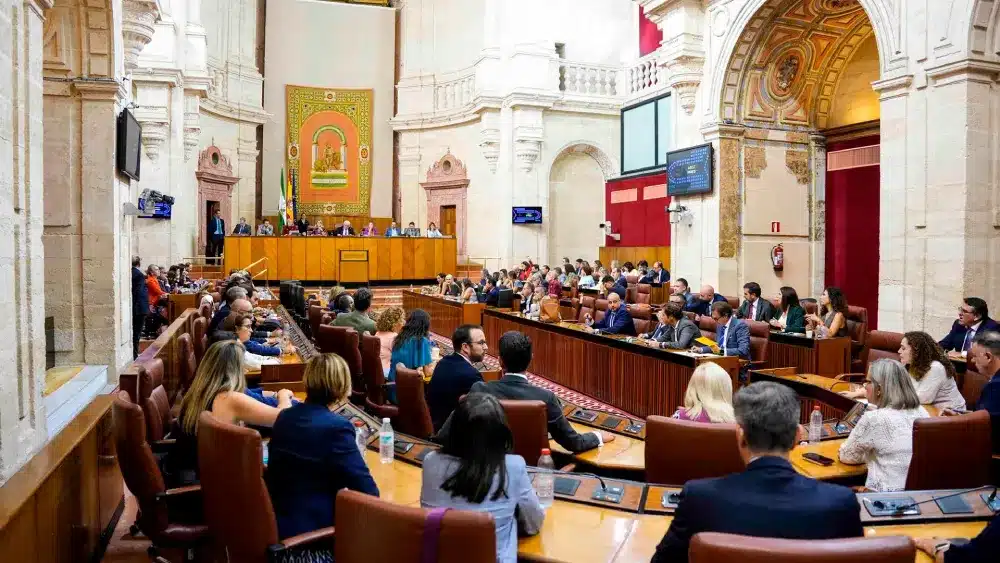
(446, 313)
(344, 259)
(626, 375)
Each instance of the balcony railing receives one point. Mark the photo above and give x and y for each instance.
(645, 76)
(589, 79)
(455, 93)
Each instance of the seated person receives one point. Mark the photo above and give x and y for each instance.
(731, 334)
(535, 305)
(932, 371)
(393, 230)
(709, 396)
(769, 499)
(973, 318)
(411, 230)
(981, 549)
(469, 292)
(617, 320)
(883, 437)
(553, 285)
(754, 308)
(344, 230)
(515, 355)
(455, 374)
(832, 319)
(682, 331)
(657, 275)
(412, 349)
(317, 229)
(473, 471)
(313, 452)
(370, 230)
(240, 325)
(389, 323)
(790, 316)
(681, 288)
(985, 355)
(265, 228)
(357, 318)
(527, 297)
(609, 286)
(218, 387)
(432, 231)
(335, 304)
(701, 304)
(587, 278)
(492, 292)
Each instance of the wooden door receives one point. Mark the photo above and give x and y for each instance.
(448, 216)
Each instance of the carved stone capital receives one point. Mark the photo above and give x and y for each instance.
(528, 145)
(490, 145)
(139, 18)
(684, 76)
(154, 135)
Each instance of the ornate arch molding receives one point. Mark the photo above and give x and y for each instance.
(800, 46)
(984, 29)
(608, 165)
(77, 40)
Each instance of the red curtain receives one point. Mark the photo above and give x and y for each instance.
(641, 222)
(852, 231)
(649, 35)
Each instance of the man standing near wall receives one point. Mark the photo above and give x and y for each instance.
(216, 231)
(140, 304)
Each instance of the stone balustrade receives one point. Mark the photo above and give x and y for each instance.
(645, 77)
(589, 79)
(456, 93)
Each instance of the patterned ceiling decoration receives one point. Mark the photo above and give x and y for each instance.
(785, 67)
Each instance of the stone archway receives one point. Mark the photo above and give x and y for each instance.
(575, 201)
(446, 187)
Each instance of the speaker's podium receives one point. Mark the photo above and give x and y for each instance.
(354, 266)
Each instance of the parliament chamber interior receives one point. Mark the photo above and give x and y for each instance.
(266, 304)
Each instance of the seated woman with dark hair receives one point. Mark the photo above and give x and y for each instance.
(473, 471)
(789, 316)
(832, 320)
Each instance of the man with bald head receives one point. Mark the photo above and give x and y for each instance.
(616, 321)
(701, 302)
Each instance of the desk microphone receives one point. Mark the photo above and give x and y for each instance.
(900, 510)
(604, 487)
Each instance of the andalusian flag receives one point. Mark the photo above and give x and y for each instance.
(281, 205)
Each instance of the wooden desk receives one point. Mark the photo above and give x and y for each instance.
(323, 258)
(823, 356)
(177, 303)
(623, 453)
(631, 377)
(446, 314)
(940, 530)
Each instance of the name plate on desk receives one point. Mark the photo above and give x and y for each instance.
(353, 255)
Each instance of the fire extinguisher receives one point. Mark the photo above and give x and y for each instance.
(778, 258)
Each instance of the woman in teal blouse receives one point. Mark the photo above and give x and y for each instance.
(790, 316)
(412, 348)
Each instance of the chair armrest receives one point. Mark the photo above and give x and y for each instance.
(179, 491)
(388, 384)
(300, 540)
(851, 377)
(161, 446)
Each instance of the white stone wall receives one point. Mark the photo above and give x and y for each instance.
(22, 358)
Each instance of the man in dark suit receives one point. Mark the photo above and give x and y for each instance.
(682, 331)
(617, 320)
(215, 231)
(242, 228)
(345, 230)
(978, 549)
(140, 304)
(753, 307)
(610, 286)
(973, 318)
(515, 356)
(492, 292)
(455, 374)
(732, 334)
(701, 303)
(657, 275)
(302, 224)
(769, 499)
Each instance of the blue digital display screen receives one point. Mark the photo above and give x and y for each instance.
(689, 171)
(527, 215)
(158, 210)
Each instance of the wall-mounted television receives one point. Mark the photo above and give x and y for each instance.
(526, 215)
(689, 171)
(129, 141)
(154, 210)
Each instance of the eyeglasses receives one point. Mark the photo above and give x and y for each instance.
(480, 342)
(964, 311)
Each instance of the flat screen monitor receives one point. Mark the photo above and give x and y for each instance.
(129, 141)
(689, 171)
(527, 215)
(154, 210)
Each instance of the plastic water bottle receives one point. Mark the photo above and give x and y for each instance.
(361, 436)
(545, 480)
(386, 442)
(815, 426)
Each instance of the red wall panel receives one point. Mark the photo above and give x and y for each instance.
(642, 222)
(650, 36)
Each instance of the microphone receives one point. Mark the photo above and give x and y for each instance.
(604, 486)
(900, 510)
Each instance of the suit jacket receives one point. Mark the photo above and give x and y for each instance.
(795, 321)
(140, 294)
(493, 297)
(312, 455)
(453, 377)
(518, 388)
(769, 499)
(617, 322)
(699, 307)
(737, 340)
(391, 232)
(210, 227)
(303, 226)
(339, 231)
(978, 550)
(683, 335)
(653, 277)
(620, 290)
(219, 316)
(764, 312)
(956, 338)
(662, 333)
(358, 321)
(243, 229)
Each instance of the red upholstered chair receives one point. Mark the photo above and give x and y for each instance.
(734, 302)
(168, 517)
(528, 421)
(809, 305)
(205, 311)
(642, 316)
(950, 452)
(155, 405)
(315, 320)
(371, 368)
(414, 416)
(630, 293)
(198, 335)
(881, 344)
(643, 292)
(707, 325)
(760, 335)
(857, 329)
(714, 547)
(631, 280)
(679, 450)
(325, 337)
(238, 507)
(601, 307)
(972, 385)
(588, 306)
(188, 363)
(346, 344)
(370, 529)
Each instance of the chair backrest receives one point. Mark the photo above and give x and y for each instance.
(630, 293)
(707, 325)
(631, 280)
(680, 450)
(188, 362)
(857, 329)
(642, 316)
(138, 465)
(198, 333)
(588, 306)
(315, 319)
(714, 547)
(505, 299)
(371, 368)
(950, 452)
(154, 402)
(364, 523)
(882, 344)
(760, 335)
(205, 311)
(325, 339)
(528, 421)
(346, 344)
(237, 505)
(600, 309)
(414, 414)
(643, 291)
(734, 302)
(972, 386)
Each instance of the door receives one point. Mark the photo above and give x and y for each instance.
(448, 216)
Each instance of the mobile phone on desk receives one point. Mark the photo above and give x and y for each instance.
(818, 459)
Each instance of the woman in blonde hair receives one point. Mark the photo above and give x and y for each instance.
(218, 388)
(313, 452)
(709, 396)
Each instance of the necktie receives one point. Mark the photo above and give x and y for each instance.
(753, 311)
(969, 335)
(725, 337)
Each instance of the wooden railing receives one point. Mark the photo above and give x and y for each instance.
(167, 349)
